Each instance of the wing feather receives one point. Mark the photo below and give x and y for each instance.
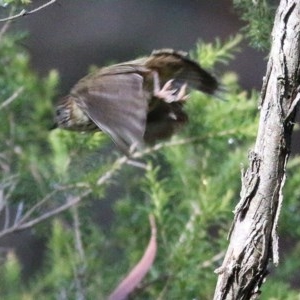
(118, 105)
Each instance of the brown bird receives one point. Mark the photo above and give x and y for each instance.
(136, 101)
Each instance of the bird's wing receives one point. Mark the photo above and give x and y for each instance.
(117, 104)
(175, 65)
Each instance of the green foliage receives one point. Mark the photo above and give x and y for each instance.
(210, 54)
(278, 291)
(4, 3)
(24, 121)
(259, 16)
(10, 274)
(191, 186)
(194, 189)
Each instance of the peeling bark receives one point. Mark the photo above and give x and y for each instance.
(253, 237)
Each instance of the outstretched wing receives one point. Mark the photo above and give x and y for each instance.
(176, 65)
(117, 104)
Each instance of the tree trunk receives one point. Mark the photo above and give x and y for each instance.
(253, 238)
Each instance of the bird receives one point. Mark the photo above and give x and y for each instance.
(137, 102)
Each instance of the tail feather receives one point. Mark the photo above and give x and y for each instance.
(184, 70)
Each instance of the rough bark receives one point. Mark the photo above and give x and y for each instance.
(253, 238)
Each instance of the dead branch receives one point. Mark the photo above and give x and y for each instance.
(25, 12)
(253, 238)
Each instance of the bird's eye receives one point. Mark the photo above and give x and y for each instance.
(61, 112)
(62, 115)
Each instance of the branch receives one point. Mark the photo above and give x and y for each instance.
(184, 141)
(24, 12)
(3, 29)
(139, 154)
(47, 198)
(24, 222)
(80, 275)
(21, 225)
(14, 96)
(253, 238)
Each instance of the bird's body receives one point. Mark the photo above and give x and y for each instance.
(137, 101)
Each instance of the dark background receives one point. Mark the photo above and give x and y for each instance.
(71, 35)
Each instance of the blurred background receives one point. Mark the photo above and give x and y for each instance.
(72, 35)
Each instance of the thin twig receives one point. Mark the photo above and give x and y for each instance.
(114, 168)
(214, 259)
(77, 232)
(48, 197)
(79, 270)
(53, 212)
(19, 212)
(45, 216)
(6, 25)
(139, 154)
(24, 224)
(14, 96)
(195, 139)
(11, 184)
(25, 12)
(4, 28)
